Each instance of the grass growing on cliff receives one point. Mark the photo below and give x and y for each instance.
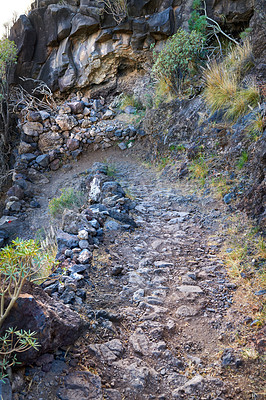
(199, 169)
(69, 199)
(257, 125)
(242, 160)
(244, 255)
(163, 93)
(220, 87)
(220, 185)
(224, 89)
(130, 100)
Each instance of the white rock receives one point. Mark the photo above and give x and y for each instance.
(83, 234)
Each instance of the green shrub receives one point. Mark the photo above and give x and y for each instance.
(130, 100)
(197, 22)
(257, 125)
(199, 169)
(242, 160)
(69, 199)
(11, 343)
(180, 58)
(21, 261)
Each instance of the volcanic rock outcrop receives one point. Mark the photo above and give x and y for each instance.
(79, 44)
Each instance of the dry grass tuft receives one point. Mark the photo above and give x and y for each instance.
(240, 59)
(220, 87)
(223, 87)
(244, 255)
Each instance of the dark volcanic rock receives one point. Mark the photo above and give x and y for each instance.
(81, 385)
(54, 323)
(162, 24)
(66, 45)
(82, 24)
(24, 35)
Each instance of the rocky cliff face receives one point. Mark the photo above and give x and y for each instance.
(77, 44)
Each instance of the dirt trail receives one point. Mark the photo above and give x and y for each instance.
(157, 328)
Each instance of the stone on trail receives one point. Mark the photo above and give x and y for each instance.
(163, 264)
(112, 226)
(186, 311)
(140, 342)
(138, 375)
(85, 256)
(122, 146)
(189, 289)
(111, 394)
(81, 385)
(109, 351)
(43, 160)
(191, 387)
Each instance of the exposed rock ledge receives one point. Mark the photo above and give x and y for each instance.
(76, 44)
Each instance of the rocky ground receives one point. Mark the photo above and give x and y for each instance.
(158, 302)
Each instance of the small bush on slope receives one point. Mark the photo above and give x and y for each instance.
(69, 199)
(21, 261)
(179, 59)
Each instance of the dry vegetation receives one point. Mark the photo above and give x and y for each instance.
(225, 87)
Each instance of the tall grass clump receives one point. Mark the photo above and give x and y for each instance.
(69, 199)
(199, 169)
(245, 263)
(224, 87)
(220, 86)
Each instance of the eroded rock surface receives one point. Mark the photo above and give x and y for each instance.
(77, 44)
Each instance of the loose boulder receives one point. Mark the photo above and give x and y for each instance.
(55, 324)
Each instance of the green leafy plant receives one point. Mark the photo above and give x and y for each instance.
(21, 261)
(199, 21)
(130, 100)
(69, 199)
(111, 171)
(180, 57)
(11, 343)
(199, 169)
(242, 160)
(177, 148)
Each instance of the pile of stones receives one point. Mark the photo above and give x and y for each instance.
(108, 209)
